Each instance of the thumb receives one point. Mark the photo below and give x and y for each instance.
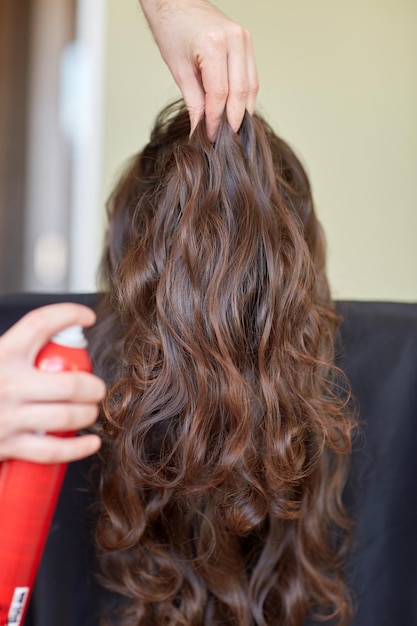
(194, 98)
(24, 340)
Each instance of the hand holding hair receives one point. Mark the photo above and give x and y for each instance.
(33, 401)
(210, 57)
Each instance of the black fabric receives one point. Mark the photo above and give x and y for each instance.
(378, 351)
(379, 355)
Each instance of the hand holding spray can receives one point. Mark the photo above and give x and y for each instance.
(29, 493)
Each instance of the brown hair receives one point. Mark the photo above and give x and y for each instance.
(224, 427)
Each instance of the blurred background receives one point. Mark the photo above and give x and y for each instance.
(81, 82)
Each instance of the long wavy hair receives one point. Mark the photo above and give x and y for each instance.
(225, 434)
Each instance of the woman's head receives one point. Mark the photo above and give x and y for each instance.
(224, 440)
(240, 173)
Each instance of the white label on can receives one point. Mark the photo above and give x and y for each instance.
(17, 607)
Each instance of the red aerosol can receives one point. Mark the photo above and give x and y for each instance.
(29, 493)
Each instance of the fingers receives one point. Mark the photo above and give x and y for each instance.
(31, 400)
(238, 83)
(194, 98)
(52, 417)
(28, 335)
(229, 78)
(215, 80)
(252, 75)
(210, 57)
(39, 401)
(35, 386)
(47, 448)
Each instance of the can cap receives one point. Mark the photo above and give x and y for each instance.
(73, 337)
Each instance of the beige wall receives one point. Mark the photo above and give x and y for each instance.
(338, 81)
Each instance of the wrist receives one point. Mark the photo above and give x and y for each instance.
(159, 8)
